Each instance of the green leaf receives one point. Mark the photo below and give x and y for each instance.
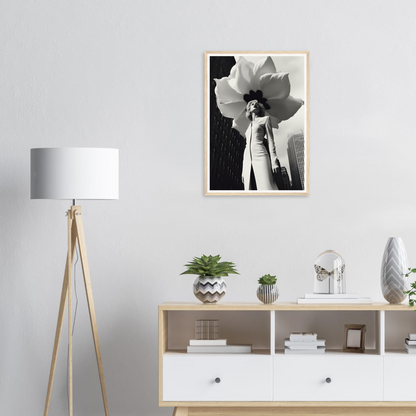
(267, 279)
(210, 266)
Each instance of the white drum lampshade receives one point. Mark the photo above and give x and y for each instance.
(74, 173)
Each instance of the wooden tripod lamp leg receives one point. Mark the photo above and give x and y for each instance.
(69, 274)
(60, 318)
(87, 281)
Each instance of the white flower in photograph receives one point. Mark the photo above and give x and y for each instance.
(248, 81)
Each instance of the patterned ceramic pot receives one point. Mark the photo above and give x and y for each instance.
(393, 269)
(209, 289)
(267, 293)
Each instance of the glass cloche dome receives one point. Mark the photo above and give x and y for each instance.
(329, 273)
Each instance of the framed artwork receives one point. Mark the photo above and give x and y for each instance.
(354, 338)
(256, 123)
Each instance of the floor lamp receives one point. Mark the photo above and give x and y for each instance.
(74, 173)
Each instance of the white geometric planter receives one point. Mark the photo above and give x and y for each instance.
(267, 293)
(209, 289)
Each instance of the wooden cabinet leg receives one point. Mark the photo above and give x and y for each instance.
(180, 411)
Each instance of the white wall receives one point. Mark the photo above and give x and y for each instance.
(129, 74)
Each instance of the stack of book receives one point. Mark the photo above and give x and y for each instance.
(410, 343)
(311, 298)
(304, 343)
(216, 346)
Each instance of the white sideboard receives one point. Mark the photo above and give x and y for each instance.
(269, 382)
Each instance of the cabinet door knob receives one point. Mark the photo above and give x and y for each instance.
(218, 380)
(328, 380)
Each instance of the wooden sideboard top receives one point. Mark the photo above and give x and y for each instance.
(280, 306)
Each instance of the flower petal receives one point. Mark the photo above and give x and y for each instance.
(241, 123)
(264, 66)
(231, 109)
(224, 92)
(241, 76)
(275, 85)
(284, 109)
(242, 59)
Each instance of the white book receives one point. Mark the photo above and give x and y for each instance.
(411, 337)
(335, 301)
(207, 342)
(220, 349)
(304, 344)
(331, 296)
(410, 343)
(303, 336)
(409, 346)
(301, 347)
(410, 350)
(319, 350)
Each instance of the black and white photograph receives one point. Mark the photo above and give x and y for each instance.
(257, 132)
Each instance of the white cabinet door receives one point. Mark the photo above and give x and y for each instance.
(399, 378)
(338, 377)
(191, 377)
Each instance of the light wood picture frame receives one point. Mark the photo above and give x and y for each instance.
(354, 338)
(236, 160)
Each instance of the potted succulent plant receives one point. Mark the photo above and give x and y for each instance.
(267, 291)
(209, 286)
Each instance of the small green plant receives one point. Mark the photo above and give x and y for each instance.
(267, 280)
(210, 266)
(412, 291)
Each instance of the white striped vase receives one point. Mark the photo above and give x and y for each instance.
(267, 293)
(393, 269)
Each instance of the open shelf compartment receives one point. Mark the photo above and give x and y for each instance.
(330, 327)
(237, 327)
(397, 325)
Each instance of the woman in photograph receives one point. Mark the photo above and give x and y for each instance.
(258, 165)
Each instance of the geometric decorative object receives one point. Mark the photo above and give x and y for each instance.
(209, 289)
(267, 293)
(74, 173)
(354, 338)
(329, 273)
(207, 329)
(394, 266)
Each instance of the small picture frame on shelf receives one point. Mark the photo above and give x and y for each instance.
(354, 338)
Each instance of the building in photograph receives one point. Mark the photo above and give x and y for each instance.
(226, 144)
(296, 154)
